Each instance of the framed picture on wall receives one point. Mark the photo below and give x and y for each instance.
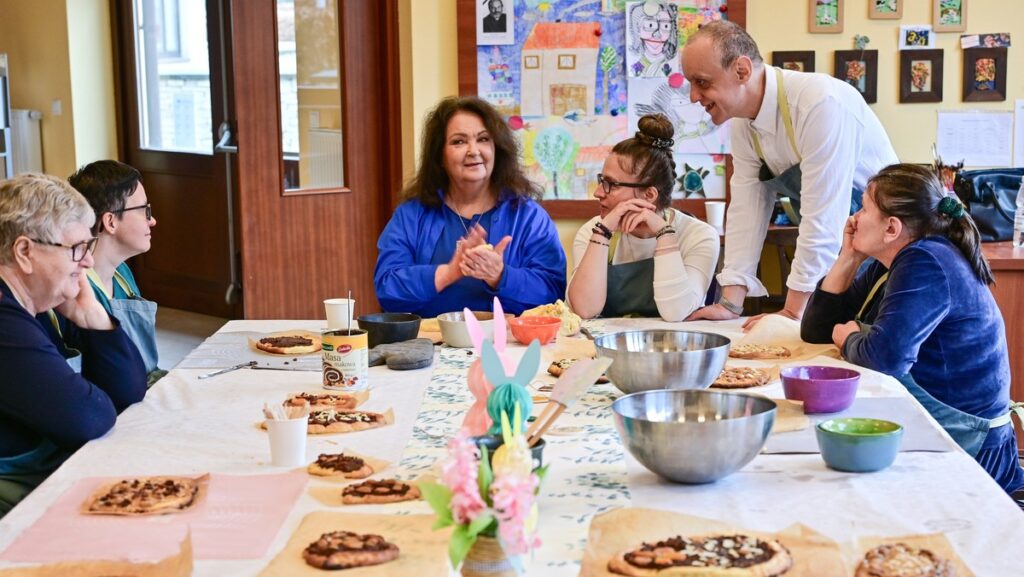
(824, 16)
(799, 60)
(921, 76)
(885, 9)
(858, 68)
(949, 15)
(984, 75)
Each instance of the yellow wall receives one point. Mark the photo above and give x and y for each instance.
(54, 45)
(34, 36)
(92, 81)
(432, 73)
(782, 25)
(775, 25)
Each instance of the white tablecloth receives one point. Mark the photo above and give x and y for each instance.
(186, 425)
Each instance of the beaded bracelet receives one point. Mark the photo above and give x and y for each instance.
(601, 229)
(599, 242)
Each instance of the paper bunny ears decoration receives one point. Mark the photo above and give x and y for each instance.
(509, 390)
(477, 421)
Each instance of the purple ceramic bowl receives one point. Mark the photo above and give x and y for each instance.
(822, 389)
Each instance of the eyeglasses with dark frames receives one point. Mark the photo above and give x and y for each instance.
(608, 184)
(78, 250)
(147, 206)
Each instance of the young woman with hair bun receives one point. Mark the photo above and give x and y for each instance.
(923, 313)
(640, 256)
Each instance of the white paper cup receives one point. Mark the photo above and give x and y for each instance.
(715, 210)
(339, 313)
(287, 442)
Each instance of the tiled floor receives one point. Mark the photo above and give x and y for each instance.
(178, 332)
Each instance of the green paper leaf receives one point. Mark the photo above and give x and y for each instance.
(479, 524)
(484, 476)
(459, 545)
(541, 473)
(439, 498)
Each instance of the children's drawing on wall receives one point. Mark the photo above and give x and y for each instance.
(694, 130)
(916, 36)
(695, 13)
(920, 75)
(563, 155)
(652, 39)
(495, 22)
(985, 74)
(699, 176)
(951, 12)
(856, 74)
(564, 83)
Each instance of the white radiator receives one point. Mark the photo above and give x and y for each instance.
(26, 141)
(325, 161)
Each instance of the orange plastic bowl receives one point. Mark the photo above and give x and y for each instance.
(544, 329)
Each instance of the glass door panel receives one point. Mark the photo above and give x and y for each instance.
(310, 94)
(172, 57)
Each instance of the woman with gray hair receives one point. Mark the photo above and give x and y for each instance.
(65, 376)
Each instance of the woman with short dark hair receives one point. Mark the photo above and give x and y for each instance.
(923, 312)
(124, 223)
(469, 229)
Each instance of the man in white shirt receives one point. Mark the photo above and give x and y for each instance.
(810, 137)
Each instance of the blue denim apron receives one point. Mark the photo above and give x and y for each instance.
(630, 287)
(20, 474)
(138, 320)
(969, 431)
(788, 184)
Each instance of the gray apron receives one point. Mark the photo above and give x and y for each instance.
(138, 320)
(20, 474)
(630, 287)
(788, 184)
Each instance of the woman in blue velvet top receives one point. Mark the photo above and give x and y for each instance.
(923, 312)
(65, 376)
(469, 229)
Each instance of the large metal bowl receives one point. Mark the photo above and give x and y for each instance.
(693, 436)
(661, 359)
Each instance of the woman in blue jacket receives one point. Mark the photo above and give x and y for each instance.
(923, 312)
(470, 228)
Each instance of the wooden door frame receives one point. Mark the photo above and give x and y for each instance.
(290, 243)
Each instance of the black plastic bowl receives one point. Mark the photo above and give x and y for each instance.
(382, 328)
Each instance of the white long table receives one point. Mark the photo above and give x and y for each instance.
(187, 425)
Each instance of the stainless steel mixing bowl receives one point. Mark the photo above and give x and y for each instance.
(662, 359)
(693, 436)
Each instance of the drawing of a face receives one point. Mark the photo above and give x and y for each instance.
(655, 31)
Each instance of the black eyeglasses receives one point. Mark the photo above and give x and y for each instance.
(147, 206)
(78, 250)
(608, 184)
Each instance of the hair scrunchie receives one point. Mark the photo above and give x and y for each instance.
(951, 207)
(655, 142)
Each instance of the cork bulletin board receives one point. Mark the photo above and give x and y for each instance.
(573, 77)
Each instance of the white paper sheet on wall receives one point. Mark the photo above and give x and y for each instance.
(978, 137)
(1018, 131)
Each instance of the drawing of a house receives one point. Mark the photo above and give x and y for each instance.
(559, 68)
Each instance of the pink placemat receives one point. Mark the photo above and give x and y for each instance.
(239, 519)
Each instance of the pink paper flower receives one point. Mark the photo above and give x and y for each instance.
(513, 498)
(459, 473)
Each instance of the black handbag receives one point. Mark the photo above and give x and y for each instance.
(990, 196)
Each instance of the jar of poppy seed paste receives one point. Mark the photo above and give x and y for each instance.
(345, 359)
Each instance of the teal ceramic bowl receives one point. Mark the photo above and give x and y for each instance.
(859, 445)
